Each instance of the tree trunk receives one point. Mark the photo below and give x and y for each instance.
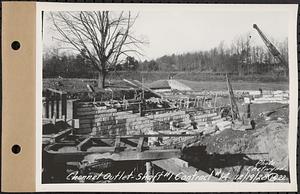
(241, 69)
(101, 79)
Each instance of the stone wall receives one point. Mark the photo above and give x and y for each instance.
(104, 121)
(108, 121)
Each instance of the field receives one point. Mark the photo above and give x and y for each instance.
(150, 76)
(74, 85)
(236, 85)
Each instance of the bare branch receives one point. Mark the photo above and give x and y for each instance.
(100, 36)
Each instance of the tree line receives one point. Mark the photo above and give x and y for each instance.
(104, 41)
(240, 58)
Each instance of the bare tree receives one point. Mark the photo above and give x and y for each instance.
(102, 37)
(241, 45)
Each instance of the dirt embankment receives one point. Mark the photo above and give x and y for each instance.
(267, 143)
(262, 151)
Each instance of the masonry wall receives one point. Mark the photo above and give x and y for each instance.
(103, 121)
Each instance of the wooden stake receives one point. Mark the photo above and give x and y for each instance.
(148, 172)
(215, 103)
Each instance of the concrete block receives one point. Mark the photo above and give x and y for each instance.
(120, 121)
(218, 121)
(224, 125)
(109, 122)
(205, 115)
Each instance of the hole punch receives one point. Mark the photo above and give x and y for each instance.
(15, 45)
(16, 149)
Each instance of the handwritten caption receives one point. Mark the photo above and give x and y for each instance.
(262, 171)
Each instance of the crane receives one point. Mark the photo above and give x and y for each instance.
(273, 50)
(234, 108)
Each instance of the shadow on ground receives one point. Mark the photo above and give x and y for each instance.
(237, 164)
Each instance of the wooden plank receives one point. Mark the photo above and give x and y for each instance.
(56, 91)
(46, 140)
(64, 105)
(138, 84)
(149, 171)
(128, 142)
(83, 144)
(74, 109)
(52, 106)
(145, 135)
(139, 147)
(161, 109)
(57, 100)
(117, 144)
(52, 138)
(62, 134)
(177, 169)
(49, 120)
(137, 156)
(47, 104)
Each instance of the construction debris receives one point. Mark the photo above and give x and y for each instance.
(281, 97)
(156, 132)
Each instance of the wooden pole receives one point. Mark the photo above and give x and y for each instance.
(52, 105)
(47, 104)
(64, 105)
(140, 108)
(148, 172)
(230, 97)
(215, 103)
(74, 109)
(57, 99)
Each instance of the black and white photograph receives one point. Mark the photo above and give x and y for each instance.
(156, 94)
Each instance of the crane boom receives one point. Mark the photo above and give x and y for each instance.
(273, 50)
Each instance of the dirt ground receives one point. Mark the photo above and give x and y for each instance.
(79, 85)
(235, 152)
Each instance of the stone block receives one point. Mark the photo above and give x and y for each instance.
(83, 130)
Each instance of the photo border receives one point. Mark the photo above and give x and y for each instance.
(174, 187)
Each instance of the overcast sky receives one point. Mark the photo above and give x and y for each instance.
(178, 32)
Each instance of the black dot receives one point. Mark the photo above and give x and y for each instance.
(15, 45)
(16, 149)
